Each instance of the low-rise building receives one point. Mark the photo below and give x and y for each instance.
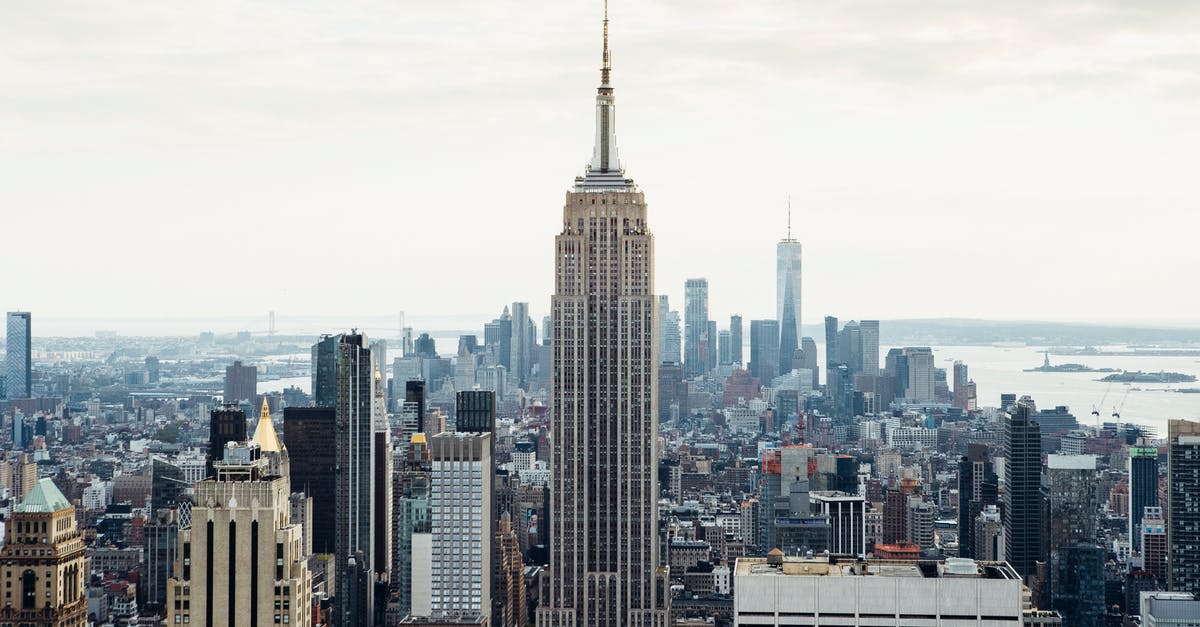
(779, 590)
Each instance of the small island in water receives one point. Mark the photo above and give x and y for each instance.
(1046, 367)
(1149, 377)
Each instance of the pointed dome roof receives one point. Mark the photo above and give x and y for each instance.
(264, 433)
(45, 497)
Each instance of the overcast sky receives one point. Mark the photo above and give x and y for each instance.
(1007, 160)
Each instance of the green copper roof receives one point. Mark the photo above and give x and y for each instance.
(44, 498)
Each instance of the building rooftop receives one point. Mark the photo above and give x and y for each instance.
(45, 497)
(850, 567)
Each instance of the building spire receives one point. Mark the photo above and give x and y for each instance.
(606, 68)
(789, 217)
(604, 171)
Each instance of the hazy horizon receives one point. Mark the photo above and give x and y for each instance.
(1021, 160)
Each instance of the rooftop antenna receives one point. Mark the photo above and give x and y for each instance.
(789, 213)
(607, 67)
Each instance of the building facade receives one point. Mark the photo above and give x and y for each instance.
(1023, 525)
(604, 557)
(1183, 512)
(43, 562)
(461, 525)
(242, 560)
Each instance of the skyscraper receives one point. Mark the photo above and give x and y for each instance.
(920, 388)
(225, 425)
(242, 561)
(735, 338)
(787, 296)
(1143, 489)
(523, 338)
(241, 383)
(475, 411)
(18, 358)
(978, 487)
(307, 433)
(461, 524)
(809, 347)
(1023, 497)
(831, 349)
(670, 340)
(355, 527)
(1076, 561)
(869, 330)
(604, 558)
(1183, 514)
(764, 349)
(324, 371)
(695, 327)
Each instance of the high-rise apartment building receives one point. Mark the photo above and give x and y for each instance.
(1154, 543)
(242, 562)
(460, 465)
(226, 424)
(695, 327)
(1023, 525)
(604, 557)
(1143, 489)
(241, 383)
(788, 297)
(18, 356)
(43, 563)
(1183, 511)
(764, 350)
(735, 339)
(307, 433)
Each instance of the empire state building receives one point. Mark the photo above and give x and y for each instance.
(604, 568)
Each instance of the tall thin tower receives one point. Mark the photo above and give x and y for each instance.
(787, 296)
(604, 568)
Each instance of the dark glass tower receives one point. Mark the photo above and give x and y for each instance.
(1143, 489)
(307, 432)
(475, 411)
(1183, 516)
(414, 392)
(977, 488)
(764, 349)
(324, 371)
(1023, 524)
(354, 537)
(225, 425)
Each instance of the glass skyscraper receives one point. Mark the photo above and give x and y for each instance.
(787, 297)
(18, 362)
